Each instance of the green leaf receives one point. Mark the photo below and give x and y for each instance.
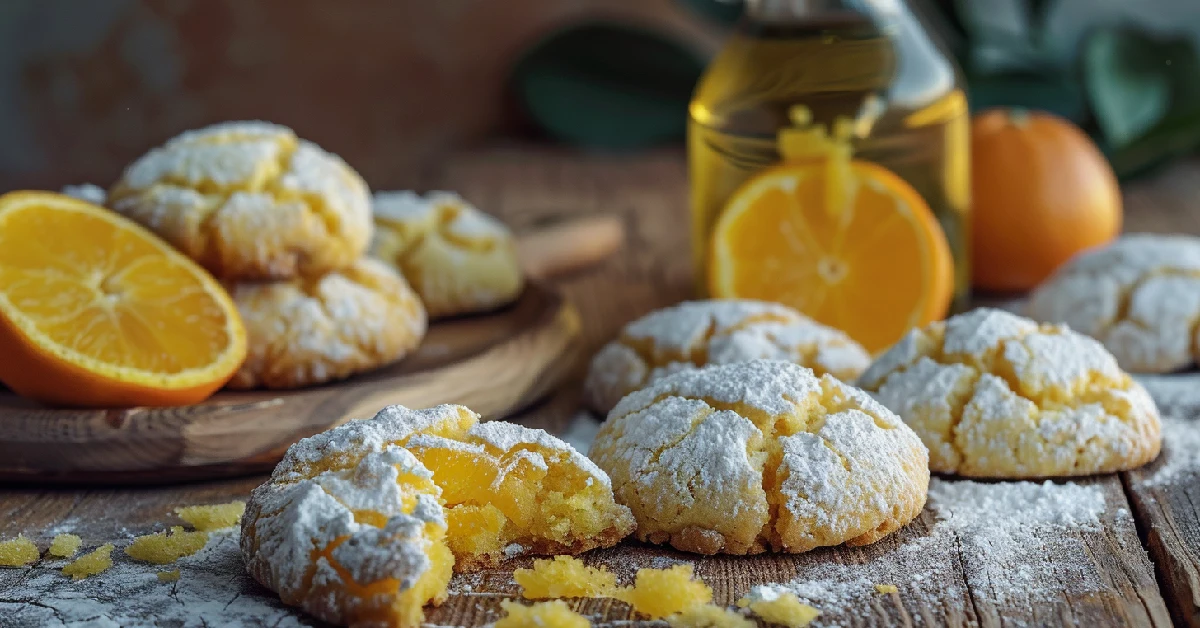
(1128, 82)
(720, 11)
(1173, 138)
(1057, 93)
(608, 86)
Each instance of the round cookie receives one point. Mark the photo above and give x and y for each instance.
(1140, 296)
(459, 259)
(361, 524)
(744, 457)
(357, 539)
(995, 395)
(718, 331)
(312, 330)
(248, 201)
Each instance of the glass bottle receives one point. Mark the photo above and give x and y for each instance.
(870, 61)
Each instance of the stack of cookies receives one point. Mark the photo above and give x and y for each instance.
(287, 227)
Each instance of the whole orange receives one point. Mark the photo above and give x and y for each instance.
(1041, 192)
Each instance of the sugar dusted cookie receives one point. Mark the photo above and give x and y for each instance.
(507, 490)
(459, 259)
(249, 200)
(512, 491)
(312, 330)
(996, 395)
(356, 539)
(718, 331)
(744, 457)
(1140, 296)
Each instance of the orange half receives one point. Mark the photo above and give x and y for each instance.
(97, 311)
(874, 267)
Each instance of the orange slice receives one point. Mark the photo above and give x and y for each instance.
(870, 260)
(97, 311)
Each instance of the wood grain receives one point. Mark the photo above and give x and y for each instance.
(1102, 577)
(1166, 496)
(469, 360)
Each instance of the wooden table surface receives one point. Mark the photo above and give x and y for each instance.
(1140, 567)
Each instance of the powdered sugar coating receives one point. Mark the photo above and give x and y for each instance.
(93, 194)
(505, 453)
(719, 331)
(761, 454)
(310, 331)
(393, 425)
(306, 536)
(458, 258)
(995, 395)
(249, 200)
(1140, 296)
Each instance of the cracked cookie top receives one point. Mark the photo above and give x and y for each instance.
(459, 259)
(311, 330)
(992, 394)
(249, 200)
(763, 454)
(1140, 296)
(356, 541)
(718, 331)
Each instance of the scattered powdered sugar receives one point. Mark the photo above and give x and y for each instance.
(1018, 536)
(1181, 453)
(967, 506)
(213, 590)
(1012, 540)
(917, 566)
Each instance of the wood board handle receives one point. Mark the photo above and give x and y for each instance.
(569, 246)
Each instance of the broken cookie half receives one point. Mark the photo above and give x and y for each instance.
(363, 524)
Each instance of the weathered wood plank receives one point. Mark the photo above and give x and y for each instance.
(945, 575)
(1166, 495)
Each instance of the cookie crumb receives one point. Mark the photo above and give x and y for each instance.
(18, 552)
(552, 614)
(166, 547)
(210, 517)
(775, 606)
(660, 593)
(168, 576)
(94, 562)
(564, 576)
(65, 545)
(709, 616)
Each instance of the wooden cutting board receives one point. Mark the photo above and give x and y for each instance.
(495, 363)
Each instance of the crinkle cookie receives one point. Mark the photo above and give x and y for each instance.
(249, 200)
(360, 525)
(351, 532)
(459, 259)
(996, 395)
(750, 456)
(717, 331)
(1140, 296)
(312, 330)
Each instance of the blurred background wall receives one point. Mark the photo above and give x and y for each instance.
(88, 85)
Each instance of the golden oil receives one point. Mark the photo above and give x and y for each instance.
(870, 61)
